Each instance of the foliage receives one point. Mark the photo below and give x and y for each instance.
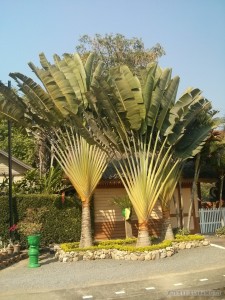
(50, 183)
(118, 50)
(205, 191)
(32, 222)
(61, 223)
(127, 244)
(190, 237)
(220, 231)
(67, 247)
(122, 202)
(23, 145)
(83, 163)
(117, 242)
(181, 231)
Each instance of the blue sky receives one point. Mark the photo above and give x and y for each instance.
(192, 33)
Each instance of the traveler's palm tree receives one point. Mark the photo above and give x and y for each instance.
(151, 130)
(57, 110)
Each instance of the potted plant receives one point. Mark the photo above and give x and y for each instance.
(16, 247)
(10, 248)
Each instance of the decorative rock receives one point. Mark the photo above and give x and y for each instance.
(153, 255)
(141, 257)
(188, 246)
(75, 258)
(205, 243)
(148, 256)
(169, 253)
(182, 246)
(127, 255)
(65, 259)
(157, 255)
(133, 256)
(163, 254)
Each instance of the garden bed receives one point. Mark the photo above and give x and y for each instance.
(120, 250)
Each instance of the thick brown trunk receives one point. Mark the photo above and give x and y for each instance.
(86, 237)
(167, 230)
(143, 235)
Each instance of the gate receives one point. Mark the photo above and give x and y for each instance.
(211, 219)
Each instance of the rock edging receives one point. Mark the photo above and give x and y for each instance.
(74, 256)
(8, 260)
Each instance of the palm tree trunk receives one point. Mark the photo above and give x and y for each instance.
(167, 231)
(86, 236)
(194, 190)
(221, 190)
(143, 235)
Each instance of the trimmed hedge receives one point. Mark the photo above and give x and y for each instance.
(123, 245)
(187, 238)
(128, 244)
(61, 223)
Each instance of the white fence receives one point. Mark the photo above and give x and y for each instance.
(211, 219)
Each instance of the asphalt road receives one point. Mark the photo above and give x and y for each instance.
(197, 273)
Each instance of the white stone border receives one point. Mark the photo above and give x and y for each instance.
(73, 256)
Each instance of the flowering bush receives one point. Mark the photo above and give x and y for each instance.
(31, 224)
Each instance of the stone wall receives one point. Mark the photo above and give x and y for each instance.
(74, 256)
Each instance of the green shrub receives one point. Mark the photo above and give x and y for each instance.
(190, 237)
(61, 223)
(220, 231)
(118, 242)
(181, 231)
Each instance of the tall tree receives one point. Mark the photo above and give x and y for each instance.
(149, 128)
(56, 112)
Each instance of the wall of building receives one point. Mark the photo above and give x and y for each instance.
(17, 170)
(109, 222)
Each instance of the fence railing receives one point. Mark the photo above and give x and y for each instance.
(211, 219)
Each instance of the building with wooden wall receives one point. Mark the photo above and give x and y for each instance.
(110, 224)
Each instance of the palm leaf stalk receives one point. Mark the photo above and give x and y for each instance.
(165, 198)
(141, 174)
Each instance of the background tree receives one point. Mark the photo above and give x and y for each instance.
(23, 145)
(217, 160)
(118, 50)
